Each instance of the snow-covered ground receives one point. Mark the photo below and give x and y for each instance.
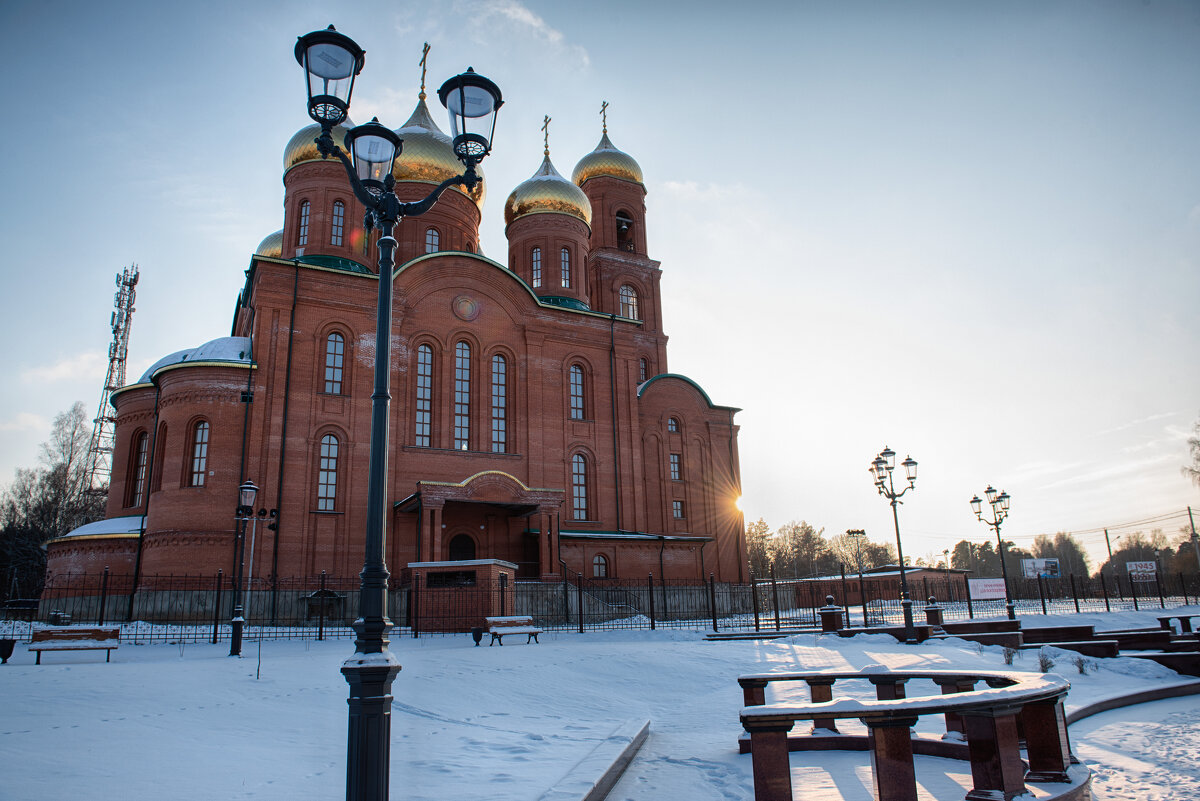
(188, 722)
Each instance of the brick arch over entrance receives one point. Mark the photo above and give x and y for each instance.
(507, 519)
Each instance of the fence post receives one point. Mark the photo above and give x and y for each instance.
(970, 608)
(754, 598)
(845, 596)
(1042, 593)
(321, 614)
(579, 597)
(1183, 589)
(712, 599)
(103, 597)
(1132, 591)
(862, 596)
(925, 584)
(650, 595)
(1104, 590)
(217, 608)
(775, 596)
(1162, 602)
(1074, 593)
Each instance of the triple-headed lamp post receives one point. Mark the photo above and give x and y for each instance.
(881, 470)
(998, 500)
(331, 61)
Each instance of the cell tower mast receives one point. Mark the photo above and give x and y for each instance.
(99, 464)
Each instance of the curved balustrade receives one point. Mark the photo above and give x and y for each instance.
(991, 720)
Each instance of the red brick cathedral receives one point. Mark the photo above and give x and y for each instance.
(534, 418)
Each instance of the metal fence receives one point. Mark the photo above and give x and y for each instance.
(200, 608)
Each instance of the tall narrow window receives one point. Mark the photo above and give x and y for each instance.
(624, 231)
(677, 509)
(424, 396)
(462, 396)
(335, 353)
(676, 467)
(536, 260)
(499, 405)
(643, 369)
(327, 474)
(564, 256)
(629, 302)
(599, 566)
(431, 240)
(579, 487)
(339, 223)
(199, 454)
(575, 385)
(137, 486)
(302, 238)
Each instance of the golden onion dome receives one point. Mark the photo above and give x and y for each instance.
(271, 246)
(427, 155)
(607, 160)
(547, 192)
(302, 146)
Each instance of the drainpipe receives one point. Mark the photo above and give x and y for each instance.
(137, 562)
(702, 570)
(246, 399)
(662, 576)
(287, 383)
(612, 387)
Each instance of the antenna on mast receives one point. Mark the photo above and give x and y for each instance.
(100, 449)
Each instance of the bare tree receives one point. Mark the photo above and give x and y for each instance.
(1192, 471)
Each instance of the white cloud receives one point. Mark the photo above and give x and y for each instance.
(25, 421)
(487, 16)
(86, 365)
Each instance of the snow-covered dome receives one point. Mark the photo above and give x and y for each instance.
(427, 156)
(235, 350)
(607, 160)
(547, 192)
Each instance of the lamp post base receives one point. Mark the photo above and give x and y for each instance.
(369, 743)
(910, 629)
(235, 638)
(1012, 610)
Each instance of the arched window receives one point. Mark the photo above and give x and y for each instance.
(575, 387)
(643, 369)
(432, 238)
(339, 222)
(624, 231)
(335, 353)
(536, 260)
(302, 237)
(564, 257)
(629, 302)
(462, 548)
(199, 454)
(137, 473)
(462, 396)
(579, 487)
(327, 474)
(424, 417)
(672, 425)
(499, 404)
(599, 566)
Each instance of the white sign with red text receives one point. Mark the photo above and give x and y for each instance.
(986, 589)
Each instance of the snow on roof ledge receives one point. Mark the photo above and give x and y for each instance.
(224, 349)
(131, 524)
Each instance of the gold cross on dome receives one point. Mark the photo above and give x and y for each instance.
(546, 137)
(423, 62)
(604, 115)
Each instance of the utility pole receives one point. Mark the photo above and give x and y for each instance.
(1195, 543)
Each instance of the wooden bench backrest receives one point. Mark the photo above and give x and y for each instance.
(510, 620)
(69, 635)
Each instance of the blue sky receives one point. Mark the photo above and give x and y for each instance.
(967, 231)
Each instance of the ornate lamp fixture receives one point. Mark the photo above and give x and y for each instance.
(999, 501)
(881, 471)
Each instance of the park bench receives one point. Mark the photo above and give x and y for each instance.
(75, 639)
(1185, 622)
(498, 627)
(987, 719)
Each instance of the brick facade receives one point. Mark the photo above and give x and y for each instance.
(625, 461)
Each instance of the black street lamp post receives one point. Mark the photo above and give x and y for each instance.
(245, 511)
(999, 503)
(881, 470)
(331, 61)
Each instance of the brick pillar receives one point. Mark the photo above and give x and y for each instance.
(995, 754)
(887, 688)
(820, 691)
(892, 759)
(435, 544)
(769, 758)
(1046, 741)
(954, 724)
(546, 546)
